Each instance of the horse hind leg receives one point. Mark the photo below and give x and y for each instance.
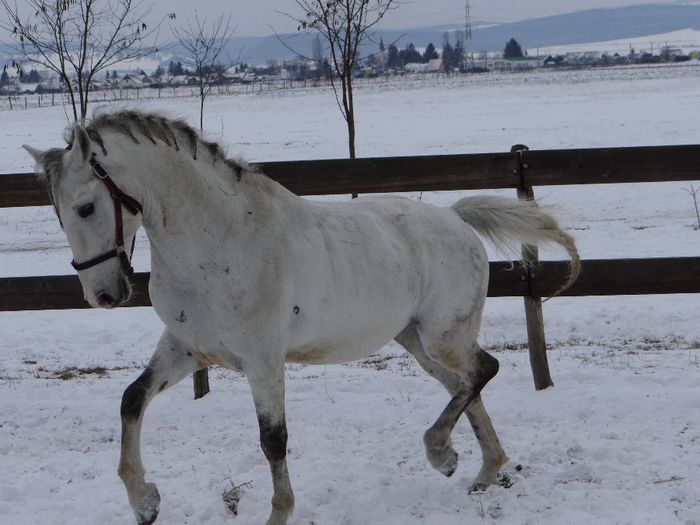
(437, 439)
(492, 453)
(168, 366)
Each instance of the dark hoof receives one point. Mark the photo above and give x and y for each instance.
(147, 513)
(151, 521)
(450, 466)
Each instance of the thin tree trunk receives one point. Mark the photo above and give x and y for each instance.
(84, 106)
(201, 107)
(71, 94)
(350, 120)
(351, 135)
(81, 96)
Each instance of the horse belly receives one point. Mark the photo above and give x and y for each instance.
(349, 324)
(326, 352)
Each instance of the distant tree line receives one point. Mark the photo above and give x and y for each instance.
(33, 77)
(512, 49)
(451, 56)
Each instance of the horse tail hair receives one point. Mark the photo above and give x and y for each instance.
(507, 223)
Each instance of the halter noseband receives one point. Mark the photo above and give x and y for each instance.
(120, 199)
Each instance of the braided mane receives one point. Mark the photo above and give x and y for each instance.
(139, 127)
(154, 128)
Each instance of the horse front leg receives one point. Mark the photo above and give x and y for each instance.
(267, 387)
(168, 366)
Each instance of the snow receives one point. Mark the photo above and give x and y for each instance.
(686, 39)
(616, 440)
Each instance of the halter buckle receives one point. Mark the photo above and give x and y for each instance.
(98, 170)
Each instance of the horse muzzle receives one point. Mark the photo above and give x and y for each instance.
(108, 299)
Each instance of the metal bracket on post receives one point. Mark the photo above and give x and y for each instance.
(533, 303)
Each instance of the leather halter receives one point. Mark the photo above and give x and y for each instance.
(120, 199)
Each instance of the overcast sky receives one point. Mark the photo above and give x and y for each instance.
(254, 17)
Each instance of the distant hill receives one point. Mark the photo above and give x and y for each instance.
(596, 25)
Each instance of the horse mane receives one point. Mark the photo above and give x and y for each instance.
(156, 128)
(137, 126)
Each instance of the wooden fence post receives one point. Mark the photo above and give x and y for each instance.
(533, 304)
(201, 383)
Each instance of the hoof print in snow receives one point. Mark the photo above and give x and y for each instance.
(505, 481)
(232, 496)
(478, 488)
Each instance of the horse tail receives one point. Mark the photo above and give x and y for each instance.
(507, 223)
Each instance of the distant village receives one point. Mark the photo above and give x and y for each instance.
(17, 79)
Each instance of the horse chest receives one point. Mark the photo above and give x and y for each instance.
(207, 314)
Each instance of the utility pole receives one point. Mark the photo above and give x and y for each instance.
(468, 31)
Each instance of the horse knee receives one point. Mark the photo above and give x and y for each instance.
(486, 369)
(489, 365)
(135, 396)
(273, 438)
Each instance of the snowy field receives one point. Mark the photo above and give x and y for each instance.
(686, 39)
(616, 441)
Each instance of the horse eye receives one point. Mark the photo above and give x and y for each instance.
(86, 210)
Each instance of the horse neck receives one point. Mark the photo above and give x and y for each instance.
(183, 196)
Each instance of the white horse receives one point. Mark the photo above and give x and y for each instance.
(248, 276)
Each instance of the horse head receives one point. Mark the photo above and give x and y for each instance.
(96, 216)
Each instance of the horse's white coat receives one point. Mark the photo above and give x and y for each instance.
(246, 275)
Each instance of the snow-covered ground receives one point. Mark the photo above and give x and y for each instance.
(686, 39)
(616, 441)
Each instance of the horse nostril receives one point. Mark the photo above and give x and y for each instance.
(104, 299)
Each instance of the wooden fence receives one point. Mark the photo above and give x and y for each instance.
(20, 101)
(520, 170)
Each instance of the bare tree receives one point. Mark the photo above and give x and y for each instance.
(344, 25)
(79, 38)
(693, 192)
(204, 44)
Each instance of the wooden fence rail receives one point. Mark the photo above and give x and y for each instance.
(521, 169)
(598, 277)
(447, 172)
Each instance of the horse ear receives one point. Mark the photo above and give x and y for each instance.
(36, 153)
(81, 142)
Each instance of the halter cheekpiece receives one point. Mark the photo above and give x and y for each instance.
(119, 198)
